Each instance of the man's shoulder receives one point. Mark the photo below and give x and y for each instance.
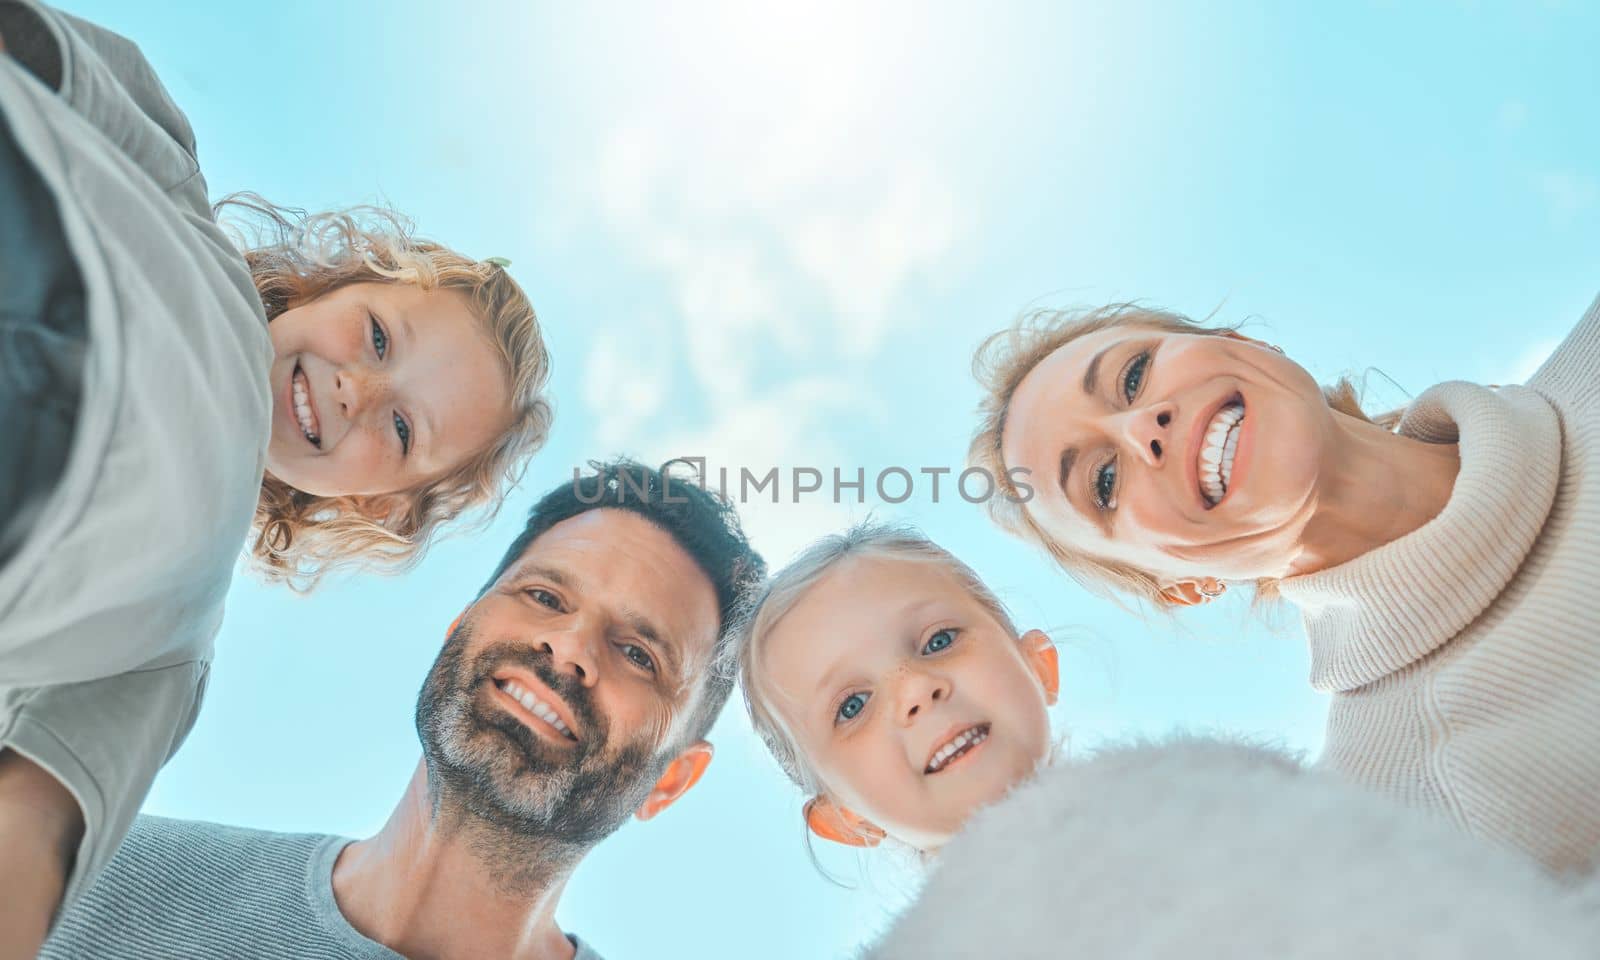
(205, 885)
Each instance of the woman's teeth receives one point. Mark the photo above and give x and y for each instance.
(962, 742)
(1217, 450)
(302, 408)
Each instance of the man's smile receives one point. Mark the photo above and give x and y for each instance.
(534, 704)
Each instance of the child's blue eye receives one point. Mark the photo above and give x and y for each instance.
(1105, 484)
(380, 340)
(939, 641)
(1133, 379)
(403, 430)
(851, 706)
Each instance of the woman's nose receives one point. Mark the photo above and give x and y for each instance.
(1147, 431)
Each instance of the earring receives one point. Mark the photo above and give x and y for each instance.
(1210, 594)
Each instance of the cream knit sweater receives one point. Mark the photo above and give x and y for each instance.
(1464, 658)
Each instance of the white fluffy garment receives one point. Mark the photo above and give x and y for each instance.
(1199, 848)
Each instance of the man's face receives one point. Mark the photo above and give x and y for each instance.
(558, 700)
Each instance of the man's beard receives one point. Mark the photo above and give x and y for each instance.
(498, 772)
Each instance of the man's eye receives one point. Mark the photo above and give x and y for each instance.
(1133, 378)
(1105, 485)
(851, 706)
(403, 431)
(544, 598)
(939, 641)
(639, 655)
(380, 340)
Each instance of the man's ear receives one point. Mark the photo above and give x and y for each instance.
(1044, 662)
(681, 774)
(1192, 593)
(840, 824)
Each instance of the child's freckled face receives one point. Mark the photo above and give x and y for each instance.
(378, 387)
(887, 666)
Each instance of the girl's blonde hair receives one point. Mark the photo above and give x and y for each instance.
(295, 257)
(1001, 363)
(789, 586)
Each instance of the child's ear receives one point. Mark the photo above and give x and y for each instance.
(682, 773)
(1044, 662)
(841, 825)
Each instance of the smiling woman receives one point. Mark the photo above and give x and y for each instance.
(1442, 565)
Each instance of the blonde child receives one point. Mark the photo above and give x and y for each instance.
(892, 687)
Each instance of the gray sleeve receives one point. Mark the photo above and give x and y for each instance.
(105, 740)
(105, 78)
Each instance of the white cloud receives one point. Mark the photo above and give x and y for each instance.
(1567, 193)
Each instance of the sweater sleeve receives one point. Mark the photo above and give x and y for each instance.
(106, 79)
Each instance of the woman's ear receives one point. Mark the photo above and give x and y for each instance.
(1045, 663)
(1192, 593)
(841, 825)
(682, 773)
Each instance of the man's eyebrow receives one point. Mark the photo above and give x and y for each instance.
(1091, 376)
(535, 569)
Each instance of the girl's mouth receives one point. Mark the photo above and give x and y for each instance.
(1219, 443)
(305, 415)
(958, 746)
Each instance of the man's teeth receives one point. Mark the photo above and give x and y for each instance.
(302, 409)
(536, 706)
(1217, 450)
(963, 742)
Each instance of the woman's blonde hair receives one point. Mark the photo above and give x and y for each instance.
(786, 588)
(1001, 363)
(295, 257)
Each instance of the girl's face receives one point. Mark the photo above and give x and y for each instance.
(378, 387)
(1183, 455)
(912, 703)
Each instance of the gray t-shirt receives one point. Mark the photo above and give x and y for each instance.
(182, 889)
(109, 607)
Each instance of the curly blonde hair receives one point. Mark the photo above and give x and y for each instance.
(295, 257)
(1001, 363)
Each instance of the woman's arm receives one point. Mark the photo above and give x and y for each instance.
(40, 827)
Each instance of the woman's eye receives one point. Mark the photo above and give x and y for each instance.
(1133, 379)
(1105, 485)
(403, 431)
(380, 340)
(639, 655)
(851, 707)
(939, 641)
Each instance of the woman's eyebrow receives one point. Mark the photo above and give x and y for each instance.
(1091, 376)
(1068, 457)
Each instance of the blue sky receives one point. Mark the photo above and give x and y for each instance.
(772, 238)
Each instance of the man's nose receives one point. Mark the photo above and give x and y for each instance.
(919, 690)
(572, 650)
(1146, 431)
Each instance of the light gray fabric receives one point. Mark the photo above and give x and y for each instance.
(109, 606)
(183, 889)
(1197, 849)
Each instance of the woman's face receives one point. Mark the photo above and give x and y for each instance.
(912, 703)
(1184, 455)
(378, 387)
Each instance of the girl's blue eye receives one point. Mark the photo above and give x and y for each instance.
(851, 706)
(939, 641)
(403, 430)
(1133, 379)
(380, 340)
(1105, 484)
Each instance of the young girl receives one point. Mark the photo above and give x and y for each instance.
(334, 395)
(892, 687)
